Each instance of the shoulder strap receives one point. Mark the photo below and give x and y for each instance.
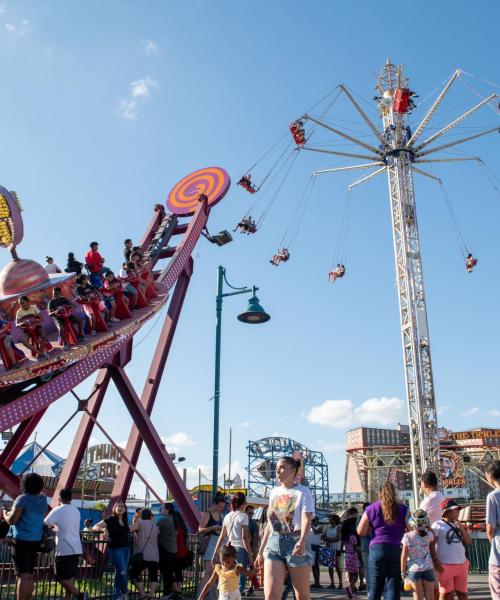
(149, 536)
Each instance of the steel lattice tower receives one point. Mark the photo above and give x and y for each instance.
(398, 154)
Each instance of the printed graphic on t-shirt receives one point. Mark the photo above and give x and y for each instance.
(282, 510)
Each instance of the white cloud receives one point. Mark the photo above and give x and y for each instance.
(342, 414)
(245, 424)
(472, 411)
(127, 108)
(142, 87)
(335, 413)
(2, 9)
(139, 91)
(179, 440)
(150, 48)
(22, 29)
(494, 412)
(442, 410)
(380, 411)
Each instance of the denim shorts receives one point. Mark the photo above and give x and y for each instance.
(424, 575)
(280, 547)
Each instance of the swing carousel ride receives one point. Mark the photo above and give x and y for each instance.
(41, 362)
(398, 150)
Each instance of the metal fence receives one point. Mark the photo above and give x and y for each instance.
(479, 554)
(95, 572)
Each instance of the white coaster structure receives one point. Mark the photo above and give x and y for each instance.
(400, 153)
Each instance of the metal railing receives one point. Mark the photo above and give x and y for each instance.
(96, 573)
(479, 554)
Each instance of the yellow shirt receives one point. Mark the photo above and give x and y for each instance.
(228, 580)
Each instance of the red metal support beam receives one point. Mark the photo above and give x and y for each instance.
(20, 437)
(82, 437)
(9, 483)
(156, 448)
(134, 444)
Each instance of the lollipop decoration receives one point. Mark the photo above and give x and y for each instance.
(212, 182)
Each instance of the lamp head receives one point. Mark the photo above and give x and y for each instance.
(254, 312)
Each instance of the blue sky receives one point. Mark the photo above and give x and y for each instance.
(106, 105)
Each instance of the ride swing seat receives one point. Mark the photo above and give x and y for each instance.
(280, 256)
(246, 225)
(69, 336)
(470, 263)
(247, 184)
(298, 132)
(94, 302)
(122, 311)
(336, 273)
(5, 338)
(29, 325)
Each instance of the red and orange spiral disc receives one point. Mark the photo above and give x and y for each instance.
(213, 182)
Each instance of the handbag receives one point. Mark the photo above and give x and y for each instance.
(137, 558)
(327, 557)
(48, 541)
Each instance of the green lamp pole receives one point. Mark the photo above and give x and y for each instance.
(253, 314)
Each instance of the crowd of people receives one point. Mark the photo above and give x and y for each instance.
(140, 550)
(104, 299)
(382, 551)
(378, 551)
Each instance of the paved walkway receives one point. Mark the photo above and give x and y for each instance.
(478, 590)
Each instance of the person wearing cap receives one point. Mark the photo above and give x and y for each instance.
(210, 528)
(451, 539)
(492, 471)
(417, 558)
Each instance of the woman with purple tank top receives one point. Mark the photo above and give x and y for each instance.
(387, 521)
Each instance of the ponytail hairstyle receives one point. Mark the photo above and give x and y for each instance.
(388, 502)
(238, 500)
(295, 463)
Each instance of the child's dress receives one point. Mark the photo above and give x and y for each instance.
(228, 584)
(351, 562)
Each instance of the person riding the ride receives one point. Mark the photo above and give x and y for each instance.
(246, 225)
(34, 337)
(338, 272)
(246, 182)
(470, 263)
(281, 256)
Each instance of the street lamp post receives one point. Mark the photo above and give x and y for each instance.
(254, 314)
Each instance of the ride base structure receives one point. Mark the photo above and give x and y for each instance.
(28, 388)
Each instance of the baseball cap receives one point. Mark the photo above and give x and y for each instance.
(448, 504)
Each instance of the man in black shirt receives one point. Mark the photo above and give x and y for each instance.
(56, 302)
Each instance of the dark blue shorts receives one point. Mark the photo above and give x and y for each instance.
(424, 575)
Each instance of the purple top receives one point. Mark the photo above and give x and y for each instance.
(383, 533)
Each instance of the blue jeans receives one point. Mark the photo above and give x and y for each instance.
(242, 559)
(384, 564)
(119, 558)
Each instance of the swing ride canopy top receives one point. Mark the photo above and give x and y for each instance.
(27, 392)
(399, 152)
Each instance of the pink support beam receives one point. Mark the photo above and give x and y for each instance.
(156, 448)
(82, 437)
(133, 448)
(19, 439)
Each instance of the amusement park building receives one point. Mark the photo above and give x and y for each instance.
(375, 455)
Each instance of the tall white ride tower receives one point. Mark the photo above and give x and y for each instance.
(398, 152)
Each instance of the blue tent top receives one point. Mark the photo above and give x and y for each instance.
(43, 465)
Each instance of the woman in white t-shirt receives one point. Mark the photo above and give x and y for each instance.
(285, 545)
(235, 529)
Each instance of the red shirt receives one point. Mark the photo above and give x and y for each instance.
(94, 261)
